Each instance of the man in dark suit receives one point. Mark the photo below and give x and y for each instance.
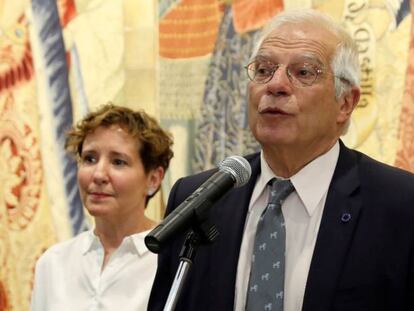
(349, 221)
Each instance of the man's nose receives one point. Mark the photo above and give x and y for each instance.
(280, 82)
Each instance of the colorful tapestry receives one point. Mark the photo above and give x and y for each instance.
(26, 224)
(381, 124)
(405, 153)
(58, 60)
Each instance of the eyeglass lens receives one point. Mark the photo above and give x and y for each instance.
(299, 73)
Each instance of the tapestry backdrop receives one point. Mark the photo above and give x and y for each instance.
(183, 62)
(59, 60)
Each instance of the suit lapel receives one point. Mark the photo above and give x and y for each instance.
(335, 234)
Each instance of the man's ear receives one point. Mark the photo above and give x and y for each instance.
(348, 102)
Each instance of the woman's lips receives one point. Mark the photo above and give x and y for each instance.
(99, 195)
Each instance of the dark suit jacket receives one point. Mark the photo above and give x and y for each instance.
(362, 262)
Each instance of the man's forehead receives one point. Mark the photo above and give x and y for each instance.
(301, 38)
(304, 29)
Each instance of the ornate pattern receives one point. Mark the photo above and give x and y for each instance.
(5, 251)
(223, 127)
(20, 162)
(405, 153)
(46, 18)
(19, 72)
(20, 165)
(16, 63)
(20, 170)
(251, 15)
(26, 224)
(4, 304)
(189, 29)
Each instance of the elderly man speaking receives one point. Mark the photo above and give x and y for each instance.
(319, 226)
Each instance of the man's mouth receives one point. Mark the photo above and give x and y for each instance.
(273, 110)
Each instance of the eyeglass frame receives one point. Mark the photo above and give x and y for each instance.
(291, 78)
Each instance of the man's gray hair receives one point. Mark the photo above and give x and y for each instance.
(345, 64)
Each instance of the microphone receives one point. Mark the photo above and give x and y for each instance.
(232, 172)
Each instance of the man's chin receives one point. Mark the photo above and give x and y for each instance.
(273, 138)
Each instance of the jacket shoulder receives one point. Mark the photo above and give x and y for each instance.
(184, 186)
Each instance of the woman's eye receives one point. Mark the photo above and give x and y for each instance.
(119, 162)
(88, 158)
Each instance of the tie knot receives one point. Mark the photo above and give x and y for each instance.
(280, 189)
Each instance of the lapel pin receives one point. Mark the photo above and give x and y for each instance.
(345, 217)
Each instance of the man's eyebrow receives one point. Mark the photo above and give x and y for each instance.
(304, 57)
(311, 58)
(262, 56)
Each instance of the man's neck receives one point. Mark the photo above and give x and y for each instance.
(286, 161)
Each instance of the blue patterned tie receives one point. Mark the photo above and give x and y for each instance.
(267, 275)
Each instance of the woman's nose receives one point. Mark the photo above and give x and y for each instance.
(100, 174)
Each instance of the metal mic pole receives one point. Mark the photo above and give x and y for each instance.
(186, 260)
(202, 233)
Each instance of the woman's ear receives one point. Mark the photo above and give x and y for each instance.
(155, 177)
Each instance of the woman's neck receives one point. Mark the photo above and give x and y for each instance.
(111, 234)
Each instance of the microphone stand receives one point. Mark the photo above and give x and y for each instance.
(202, 233)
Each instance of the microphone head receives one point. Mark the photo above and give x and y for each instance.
(238, 167)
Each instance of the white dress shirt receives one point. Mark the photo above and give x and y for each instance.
(68, 276)
(302, 211)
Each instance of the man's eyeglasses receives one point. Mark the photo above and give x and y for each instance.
(300, 74)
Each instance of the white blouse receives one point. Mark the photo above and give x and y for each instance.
(68, 276)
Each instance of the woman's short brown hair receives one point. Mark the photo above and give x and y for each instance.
(155, 143)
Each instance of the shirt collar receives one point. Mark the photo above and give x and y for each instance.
(311, 182)
(91, 242)
(138, 241)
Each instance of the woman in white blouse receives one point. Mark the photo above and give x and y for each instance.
(122, 157)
